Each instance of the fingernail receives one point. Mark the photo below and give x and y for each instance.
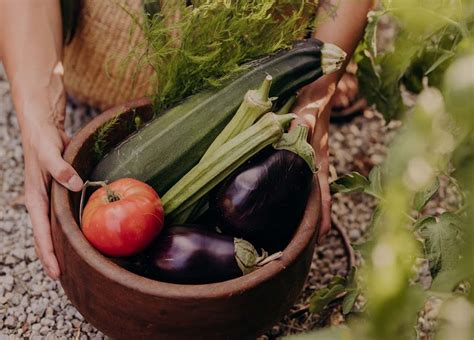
(75, 183)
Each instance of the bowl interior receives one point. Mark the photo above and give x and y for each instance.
(83, 153)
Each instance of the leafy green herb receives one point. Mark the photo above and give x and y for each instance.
(100, 137)
(207, 43)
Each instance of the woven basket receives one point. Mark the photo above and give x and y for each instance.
(93, 73)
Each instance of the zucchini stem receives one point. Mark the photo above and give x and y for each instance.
(332, 58)
(296, 141)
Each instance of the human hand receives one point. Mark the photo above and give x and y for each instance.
(43, 144)
(313, 109)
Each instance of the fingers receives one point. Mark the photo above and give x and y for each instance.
(37, 204)
(62, 171)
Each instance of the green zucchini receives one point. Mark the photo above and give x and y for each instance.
(168, 147)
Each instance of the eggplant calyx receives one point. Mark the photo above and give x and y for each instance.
(247, 257)
(284, 120)
(296, 142)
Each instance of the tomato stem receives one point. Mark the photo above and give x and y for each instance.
(111, 195)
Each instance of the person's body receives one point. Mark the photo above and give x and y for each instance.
(31, 51)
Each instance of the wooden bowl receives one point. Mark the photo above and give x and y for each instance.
(124, 305)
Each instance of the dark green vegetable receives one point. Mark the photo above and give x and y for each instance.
(167, 148)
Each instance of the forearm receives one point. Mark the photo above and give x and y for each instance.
(340, 22)
(30, 48)
(344, 27)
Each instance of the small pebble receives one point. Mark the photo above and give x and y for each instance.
(10, 322)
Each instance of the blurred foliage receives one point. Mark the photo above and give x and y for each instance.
(432, 55)
(428, 35)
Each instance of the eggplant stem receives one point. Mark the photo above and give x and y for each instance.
(270, 258)
(111, 195)
(287, 106)
(296, 142)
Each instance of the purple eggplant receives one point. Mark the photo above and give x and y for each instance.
(264, 200)
(194, 255)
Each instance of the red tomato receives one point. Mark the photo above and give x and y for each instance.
(123, 220)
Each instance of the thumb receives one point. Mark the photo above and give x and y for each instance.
(63, 172)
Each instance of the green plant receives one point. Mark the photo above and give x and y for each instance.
(432, 55)
(209, 41)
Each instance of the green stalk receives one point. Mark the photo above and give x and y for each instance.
(296, 141)
(255, 104)
(287, 106)
(220, 164)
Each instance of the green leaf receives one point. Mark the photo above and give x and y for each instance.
(352, 182)
(442, 243)
(424, 196)
(365, 249)
(323, 297)
(444, 57)
(375, 179)
(370, 36)
(383, 93)
(374, 220)
(447, 280)
(349, 301)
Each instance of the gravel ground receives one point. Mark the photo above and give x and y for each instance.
(31, 305)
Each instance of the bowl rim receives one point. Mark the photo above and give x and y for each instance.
(62, 208)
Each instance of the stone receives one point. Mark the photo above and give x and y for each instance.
(10, 322)
(44, 330)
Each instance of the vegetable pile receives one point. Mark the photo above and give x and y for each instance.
(251, 180)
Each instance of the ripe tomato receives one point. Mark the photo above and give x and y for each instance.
(122, 218)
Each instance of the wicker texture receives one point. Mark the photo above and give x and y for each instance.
(92, 60)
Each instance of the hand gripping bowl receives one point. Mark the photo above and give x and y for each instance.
(124, 305)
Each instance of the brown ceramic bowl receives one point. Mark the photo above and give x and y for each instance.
(124, 305)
